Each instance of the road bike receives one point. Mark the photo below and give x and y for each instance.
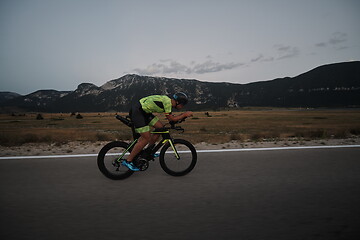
(177, 156)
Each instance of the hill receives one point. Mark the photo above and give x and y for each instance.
(333, 85)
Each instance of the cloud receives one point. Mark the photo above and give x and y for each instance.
(258, 58)
(262, 58)
(281, 52)
(342, 48)
(286, 51)
(169, 66)
(164, 67)
(210, 66)
(335, 39)
(322, 44)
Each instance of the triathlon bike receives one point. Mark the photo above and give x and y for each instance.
(177, 156)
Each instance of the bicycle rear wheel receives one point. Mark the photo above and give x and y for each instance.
(107, 161)
(174, 166)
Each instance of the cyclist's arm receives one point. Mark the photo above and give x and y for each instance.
(179, 117)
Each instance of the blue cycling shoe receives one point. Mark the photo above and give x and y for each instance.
(130, 166)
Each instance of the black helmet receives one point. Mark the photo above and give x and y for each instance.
(181, 98)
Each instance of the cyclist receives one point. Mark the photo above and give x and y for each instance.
(142, 116)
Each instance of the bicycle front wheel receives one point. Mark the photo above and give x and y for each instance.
(179, 158)
(109, 160)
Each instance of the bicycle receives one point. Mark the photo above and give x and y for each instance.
(177, 157)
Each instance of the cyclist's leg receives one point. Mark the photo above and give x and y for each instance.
(156, 124)
(141, 122)
(146, 137)
(142, 142)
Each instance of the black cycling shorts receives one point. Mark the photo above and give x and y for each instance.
(142, 120)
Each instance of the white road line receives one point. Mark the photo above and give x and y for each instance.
(50, 156)
(199, 151)
(278, 148)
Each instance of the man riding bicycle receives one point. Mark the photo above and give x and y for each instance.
(142, 116)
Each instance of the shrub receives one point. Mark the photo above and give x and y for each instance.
(30, 138)
(39, 117)
(355, 131)
(203, 129)
(319, 133)
(102, 137)
(238, 137)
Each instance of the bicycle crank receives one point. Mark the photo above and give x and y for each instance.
(141, 163)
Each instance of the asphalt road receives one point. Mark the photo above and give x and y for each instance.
(283, 194)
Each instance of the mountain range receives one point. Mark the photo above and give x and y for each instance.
(332, 85)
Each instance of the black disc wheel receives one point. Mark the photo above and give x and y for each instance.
(179, 158)
(109, 161)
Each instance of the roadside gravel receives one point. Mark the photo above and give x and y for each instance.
(94, 147)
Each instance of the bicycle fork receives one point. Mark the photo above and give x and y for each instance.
(173, 147)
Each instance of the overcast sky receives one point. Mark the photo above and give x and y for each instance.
(58, 44)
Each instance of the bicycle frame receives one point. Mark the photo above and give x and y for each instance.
(165, 138)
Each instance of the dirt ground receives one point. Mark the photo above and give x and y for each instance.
(73, 148)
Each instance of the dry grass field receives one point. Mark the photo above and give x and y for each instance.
(216, 127)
